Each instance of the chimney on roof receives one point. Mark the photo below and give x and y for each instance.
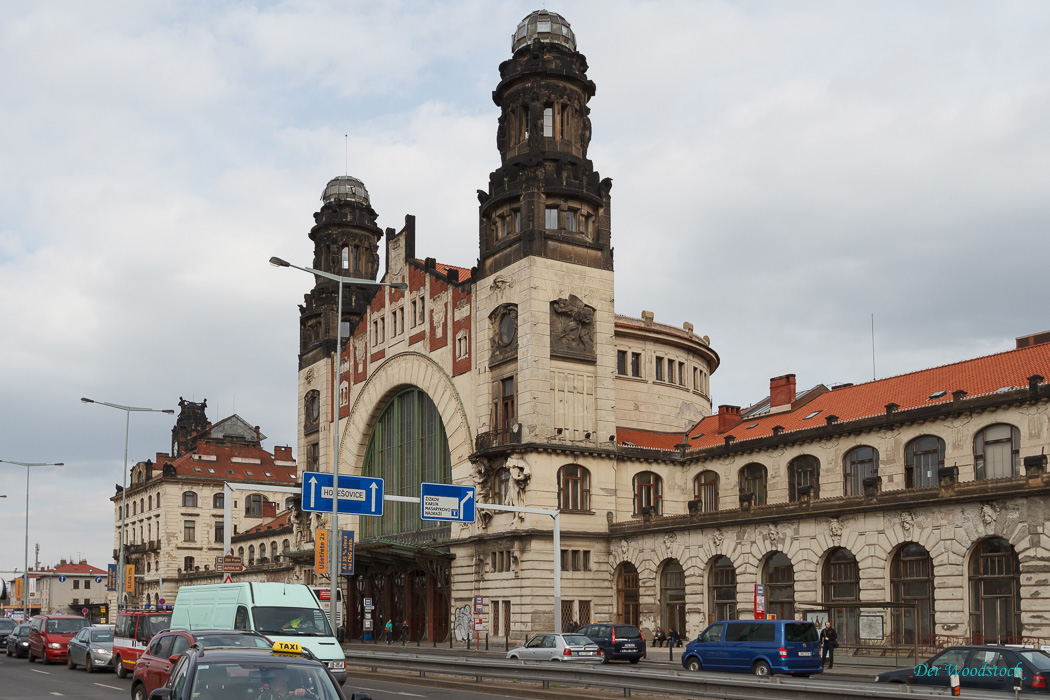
(1027, 341)
(453, 276)
(781, 392)
(61, 562)
(728, 417)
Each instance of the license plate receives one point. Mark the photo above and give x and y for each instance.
(628, 646)
(805, 653)
(585, 653)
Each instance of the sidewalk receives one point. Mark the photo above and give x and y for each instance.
(865, 667)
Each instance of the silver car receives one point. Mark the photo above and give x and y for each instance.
(92, 648)
(558, 647)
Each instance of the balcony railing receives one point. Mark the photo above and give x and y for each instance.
(498, 437)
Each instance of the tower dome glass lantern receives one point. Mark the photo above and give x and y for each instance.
(545, 26)
(345, 188)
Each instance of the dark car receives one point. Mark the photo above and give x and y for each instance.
(761, 647)
(617, 642)
(264, 674)
(18, 641)
(155, 663)
(7, 626)
(990, 667)
(92, 648)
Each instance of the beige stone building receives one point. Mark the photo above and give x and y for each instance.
(899, 507)
(174, 505)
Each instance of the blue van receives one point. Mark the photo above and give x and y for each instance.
(761, 647)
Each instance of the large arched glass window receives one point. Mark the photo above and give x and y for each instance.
(923, 456)
(672, 596)
(803, 471)
(574, 488)
(407, 446)
(753, 480)
(721, 590)
(841, 579)
(627, 596)
(911, 581)
(648, 493)
(996, 452)
(995, 593)
(859, 464)
(189, 499)
(705, 489)
(778, 575)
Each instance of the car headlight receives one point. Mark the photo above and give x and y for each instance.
(53, 645)
(876, 679)
(101, 652)
(25, 644)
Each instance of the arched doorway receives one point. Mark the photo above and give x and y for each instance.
(627, 599)
(995, 593)
(841, 577)
(721, 590)
(778, 575)
(672, 596)
(911, 581)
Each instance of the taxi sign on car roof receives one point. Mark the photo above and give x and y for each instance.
(287, 649)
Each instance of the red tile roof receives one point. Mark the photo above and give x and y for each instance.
(282, 520)
(224, 467)
(81, 568)
(644, 438)
(464, 272)
(977, 377)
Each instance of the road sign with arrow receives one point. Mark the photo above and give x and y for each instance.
(358, 495)
(446, 502)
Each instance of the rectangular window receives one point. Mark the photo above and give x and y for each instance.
(189, 531)
(696, 379)
(565, 560)
(517, 221)
(670, 370)
(551, 218)
(382, 330)
(659, 369)
(548, 121)
(570, 221)
(375, 333)
(584, 617)
(586, 560)
(621, 362)
(87, 583)
(681, 373)
(415, 316)
(76, 601)
(636, 364)
(575, 560)
(220, 531)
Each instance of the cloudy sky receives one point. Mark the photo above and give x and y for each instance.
(782, 170)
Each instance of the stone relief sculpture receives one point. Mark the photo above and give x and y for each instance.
(669, 539)
(835, 530)
(907, 522)
(572, 329)
(718, 537)
(520, 475)
(775, 537)
(989, 513)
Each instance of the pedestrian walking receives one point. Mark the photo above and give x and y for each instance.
(388, 628)
(829, 639)
(404, 632)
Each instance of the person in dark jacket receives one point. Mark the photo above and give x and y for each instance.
(673, 639)
(829, 639)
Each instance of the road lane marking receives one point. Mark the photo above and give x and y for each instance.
(391, 692)
(37, 670)
(111, 687)
(54, 693)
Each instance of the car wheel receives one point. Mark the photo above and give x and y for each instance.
(514, 657)
(46, 661)
(118, 666)
(694, 665)
(89, 666)
(69, 663)
(138, 692)
(9, 651)
(761, 668)
(29, 655)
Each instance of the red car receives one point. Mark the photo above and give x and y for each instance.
(155, 664)
(49, 636)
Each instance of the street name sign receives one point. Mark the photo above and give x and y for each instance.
(358, 495)
(446, 502)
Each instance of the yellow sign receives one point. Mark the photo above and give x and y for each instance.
(129, 578)
(321, 550)
(287, 649)
(18, 588)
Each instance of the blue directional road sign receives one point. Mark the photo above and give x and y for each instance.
(446, 502)
(358, 495)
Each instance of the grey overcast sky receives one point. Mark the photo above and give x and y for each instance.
(782, 170)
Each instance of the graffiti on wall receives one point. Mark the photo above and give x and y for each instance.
(464, 624)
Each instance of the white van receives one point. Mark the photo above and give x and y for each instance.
(284, 612)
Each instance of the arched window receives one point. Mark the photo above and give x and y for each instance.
(923, 456)
(803, 471)
(996, 452)
(705, 489)
(574, 488)
(648, 493)
(778, 575)
(150, 501)
(240, 553)
(311, 410)
(627, 596)
(672, 596)
(189, 499)
(218, 500)
(187, 564)
(408, 446)
(722, 590)
(142, 505)
(995, 593)
(253, 505)
(753, 480)
(285, 545)
(134, 508)
(841, 578)
(273, 550)
(501, 484)
(859, 464)
(911, 581)
(251, 554)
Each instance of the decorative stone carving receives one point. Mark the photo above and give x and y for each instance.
(572, 329)
(718, 537)
(308, 377)
(907, 522)
(500, 283)
(503, 333)
(520, 475)
(835, 530)
(775, 537)
(989, 513)
(669, 539)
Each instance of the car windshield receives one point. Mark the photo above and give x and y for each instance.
(302, 622)
(7, 624)
(626, 631)
(576, 640)
(1039, 659)
(155, 624)
(102, 635)
(249, 641)
(70, 625)
(798, 632)
(270, 678)
(21, 631)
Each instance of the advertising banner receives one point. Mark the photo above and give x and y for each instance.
(111, 580)
(129, 578)
(321, 550)
(346, 553)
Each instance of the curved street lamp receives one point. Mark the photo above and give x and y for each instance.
(333, 563)
(121, 583)
(25, 574)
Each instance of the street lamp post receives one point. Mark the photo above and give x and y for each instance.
(25, 583)
(121, 583)
(333, 545)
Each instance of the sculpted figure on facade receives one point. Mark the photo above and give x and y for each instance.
(775, 537)
(520, 475)
(718, 537)
(572, 328)
(989, 513)
(907, 522)
(835, 530)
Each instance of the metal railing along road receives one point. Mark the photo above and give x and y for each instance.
(628, 680)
